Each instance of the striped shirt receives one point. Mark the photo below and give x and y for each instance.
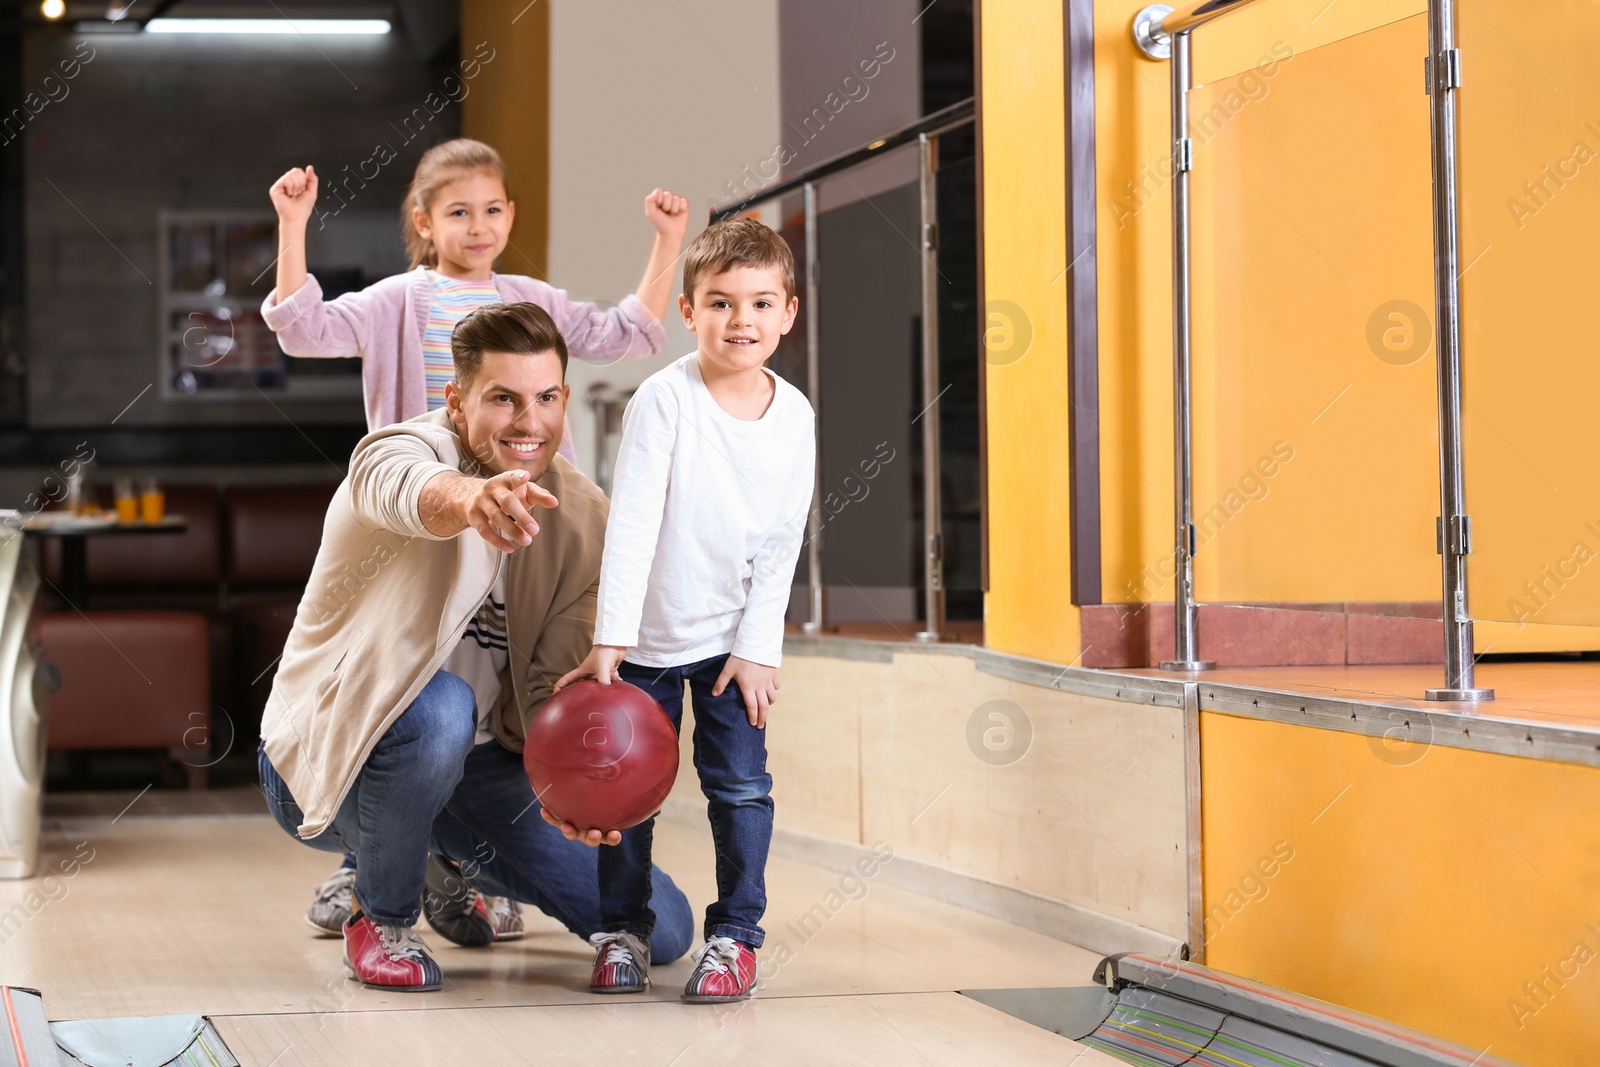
(449, 301)
(480, 655)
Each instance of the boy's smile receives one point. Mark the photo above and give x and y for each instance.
(738, 317)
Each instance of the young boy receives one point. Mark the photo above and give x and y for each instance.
(713, 482)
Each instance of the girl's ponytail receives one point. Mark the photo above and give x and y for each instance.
(437, 167)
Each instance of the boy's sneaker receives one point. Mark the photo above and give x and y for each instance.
(621, 963)
(505, 915)
(331, 908)
(380, 956)
(725, 970)
(457, 911)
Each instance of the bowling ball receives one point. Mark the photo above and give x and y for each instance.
(601, 757)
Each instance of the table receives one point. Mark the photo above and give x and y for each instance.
(74, 534)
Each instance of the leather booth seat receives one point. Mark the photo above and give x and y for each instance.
(132, 679)
(273, 535)
(234, 578)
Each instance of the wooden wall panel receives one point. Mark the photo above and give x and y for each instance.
(918, 752)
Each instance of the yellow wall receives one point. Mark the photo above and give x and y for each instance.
(1313, 211)
(1272, 321)
(1311, 216)
(1133, 133)
(1424, 886)
(1530, 116)
(509, 108)
(1028, 608)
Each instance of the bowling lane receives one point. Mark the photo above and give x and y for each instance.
(933, 1029)
(204, 913)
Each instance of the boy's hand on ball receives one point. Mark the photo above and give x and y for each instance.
(294, 194)
(668, 213)
(600, 664)
(757, 682)
(592, 838)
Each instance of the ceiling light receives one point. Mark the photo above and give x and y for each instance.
(239, 25)
(52, 9)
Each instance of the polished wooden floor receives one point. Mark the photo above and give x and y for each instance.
(1563, 693)
(203, 913)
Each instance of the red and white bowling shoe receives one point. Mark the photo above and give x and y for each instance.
(725, 970)
(621, 963)
(380, 956)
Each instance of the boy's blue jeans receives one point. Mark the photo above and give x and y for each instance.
(427, 787)
(731, 758)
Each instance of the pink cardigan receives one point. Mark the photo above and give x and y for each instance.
(383, 325)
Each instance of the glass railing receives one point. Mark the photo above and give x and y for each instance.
(1317, 265)
(886, 348)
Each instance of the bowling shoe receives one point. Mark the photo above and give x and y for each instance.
(380, 956)
(458, 912)
(330, 909)
(725, 970)
(621, 963)
(506, 916)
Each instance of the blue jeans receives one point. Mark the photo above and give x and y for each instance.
(427, 787)
(731, 758)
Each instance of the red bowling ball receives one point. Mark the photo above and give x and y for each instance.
(601, 757)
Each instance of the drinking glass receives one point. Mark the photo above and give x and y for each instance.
(152, 501)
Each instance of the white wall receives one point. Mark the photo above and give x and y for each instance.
(643, 94)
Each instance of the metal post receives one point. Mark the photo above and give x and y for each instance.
(1185, 653)
(932, 507)
(815, 623)
(1455, 526)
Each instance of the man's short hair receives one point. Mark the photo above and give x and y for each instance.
(522, 327)
(737, 242)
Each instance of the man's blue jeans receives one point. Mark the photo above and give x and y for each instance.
(731, 758)
(426, 787)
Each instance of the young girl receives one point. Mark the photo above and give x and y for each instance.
(456, 219)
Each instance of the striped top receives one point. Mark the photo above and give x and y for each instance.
(449, 301)
(481, 655)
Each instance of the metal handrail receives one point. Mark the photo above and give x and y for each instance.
(1156, 25)
(1161, 32)
(940, 121)
(924, 133)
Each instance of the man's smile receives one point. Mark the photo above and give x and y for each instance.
(522, 446)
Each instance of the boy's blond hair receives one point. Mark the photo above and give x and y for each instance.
(738, 242)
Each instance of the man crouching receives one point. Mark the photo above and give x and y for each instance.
(456, 581)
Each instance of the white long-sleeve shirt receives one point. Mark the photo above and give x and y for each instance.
(708, 512)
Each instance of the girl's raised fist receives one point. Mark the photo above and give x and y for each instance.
(294, 194)
(667, 212)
